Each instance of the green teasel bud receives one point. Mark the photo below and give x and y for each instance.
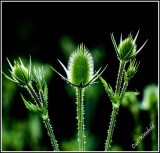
(132, 69)
(80, 66)
(127, 48)
(19, 73)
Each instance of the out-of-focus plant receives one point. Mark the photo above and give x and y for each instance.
(36, 85)
(126, 51)
(148, 104)
(133, 105)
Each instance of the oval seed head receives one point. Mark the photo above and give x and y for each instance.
(80, 66)
(20, 74)
(127, 48)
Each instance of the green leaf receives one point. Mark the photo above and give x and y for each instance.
(29, 105)
(42, 111)
(108, 88)
(114, 44)
(9, 78)
(115, 99)
(129, 93)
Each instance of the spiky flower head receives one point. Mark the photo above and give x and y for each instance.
(19, 73)
(80, 72)
(127, 48)
(80, 66)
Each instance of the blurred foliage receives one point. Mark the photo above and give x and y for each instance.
(72, 144)
(26, 133)
(149, 103)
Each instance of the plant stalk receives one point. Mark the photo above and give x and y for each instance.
(115, 109)
(125, 85)
(34, 95)
(46, 121)
(111, 128)
(51, 135)
(120, 75)
(80, 117)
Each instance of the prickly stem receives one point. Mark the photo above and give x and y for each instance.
(111, 128)
(80, 117)
(34, 95)
(120, 75)
(115, 109)
(51, 134)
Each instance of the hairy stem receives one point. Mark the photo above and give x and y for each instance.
(120, 75)
(40, 103)
(125, 85)
(80, 117)
(34, 95)
(111, 128)
(115, 109)
(51, 135)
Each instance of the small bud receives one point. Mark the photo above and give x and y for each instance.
(127, 48)
(20, 74)
(132, 69)
(38, 76)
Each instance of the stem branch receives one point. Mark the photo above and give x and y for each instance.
(119, 79)
(34, 95)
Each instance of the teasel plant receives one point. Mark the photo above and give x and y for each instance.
(34, 82)
(80, 75)
(126, 52)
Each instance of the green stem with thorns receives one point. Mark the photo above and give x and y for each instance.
(120, 75)
(51, 134)
(80, 117)
(46, 121)
(34, 95)
(115, 109)
(111, 128)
